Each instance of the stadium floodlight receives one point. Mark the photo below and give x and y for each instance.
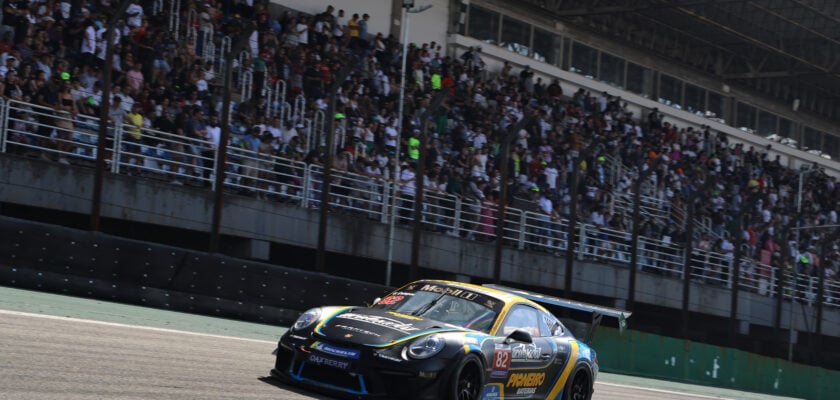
(397, 171)
(417, 10)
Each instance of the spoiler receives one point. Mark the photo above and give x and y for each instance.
(597, 311)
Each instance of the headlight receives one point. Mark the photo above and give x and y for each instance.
(306, 319)
(426, 346)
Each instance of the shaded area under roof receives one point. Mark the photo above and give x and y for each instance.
(787, 49)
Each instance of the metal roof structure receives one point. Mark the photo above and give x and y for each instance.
(786, 49)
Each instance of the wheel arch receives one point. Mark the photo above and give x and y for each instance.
(478, 357)
(581, 368)
(471, 357)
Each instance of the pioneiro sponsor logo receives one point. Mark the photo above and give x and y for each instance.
(338, 351)
(520, 380)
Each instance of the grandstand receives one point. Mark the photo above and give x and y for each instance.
(742, 122)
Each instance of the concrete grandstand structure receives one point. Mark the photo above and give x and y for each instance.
(615, 67)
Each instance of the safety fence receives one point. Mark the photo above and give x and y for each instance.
(38, 131)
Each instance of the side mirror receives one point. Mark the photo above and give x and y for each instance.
(376, 300)
(519, 336)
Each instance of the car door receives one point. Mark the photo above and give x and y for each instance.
(524, 370)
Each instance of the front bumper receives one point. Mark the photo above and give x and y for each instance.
(374, 374)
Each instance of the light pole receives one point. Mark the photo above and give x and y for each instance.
(689, 237)
(104, 107)
(571, 231)
(221, 149)
(321, 254)
(799, 201)
(821, 282)
(826, 242)
(634, 243)
(420, 181)
(501, 212)
(408, 8)
(792, 277)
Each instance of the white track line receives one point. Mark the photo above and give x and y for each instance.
(140, 327)
(663, 391)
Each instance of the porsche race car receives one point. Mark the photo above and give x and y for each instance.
(442, 340)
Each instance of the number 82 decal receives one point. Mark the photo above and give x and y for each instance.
(501, 360)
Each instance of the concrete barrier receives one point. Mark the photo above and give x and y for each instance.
(76, 262)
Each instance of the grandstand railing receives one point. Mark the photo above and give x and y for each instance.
(651, 207)
(175, 18)
(33, 130)
(615, 170)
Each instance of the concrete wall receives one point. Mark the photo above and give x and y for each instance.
(53, 186)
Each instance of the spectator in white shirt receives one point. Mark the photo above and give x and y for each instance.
(134, 12)
(407, 190)
(302, 30)
(214, 132)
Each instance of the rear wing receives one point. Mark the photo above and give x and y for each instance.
(597, 311)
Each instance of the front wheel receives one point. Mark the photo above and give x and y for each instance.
(580, 388)
(466, 381)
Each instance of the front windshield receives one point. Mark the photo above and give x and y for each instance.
(446, 304)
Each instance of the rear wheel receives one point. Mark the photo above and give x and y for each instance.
(580, 388)
(466, 381)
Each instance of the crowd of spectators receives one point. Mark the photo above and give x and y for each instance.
(52, 54)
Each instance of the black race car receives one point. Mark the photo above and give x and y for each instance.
(442, 340)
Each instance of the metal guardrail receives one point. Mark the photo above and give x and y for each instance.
(39, 131)
(652, 207)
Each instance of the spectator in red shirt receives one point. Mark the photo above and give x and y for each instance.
(6, 42)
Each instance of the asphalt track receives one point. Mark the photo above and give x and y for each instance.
(57, 347)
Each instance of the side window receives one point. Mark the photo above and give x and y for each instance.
(545, 324)
(552, 325)
(524, 318)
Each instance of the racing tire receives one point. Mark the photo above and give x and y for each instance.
(579, 387)
(466, 382)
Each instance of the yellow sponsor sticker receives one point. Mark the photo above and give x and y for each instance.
(530, 379)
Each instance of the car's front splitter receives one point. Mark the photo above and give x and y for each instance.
(366, 377)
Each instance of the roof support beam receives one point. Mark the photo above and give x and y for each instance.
(778, 74)
(816, 11)
(722, 50)
(794, 23)
(751, 40)
(634, 6)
